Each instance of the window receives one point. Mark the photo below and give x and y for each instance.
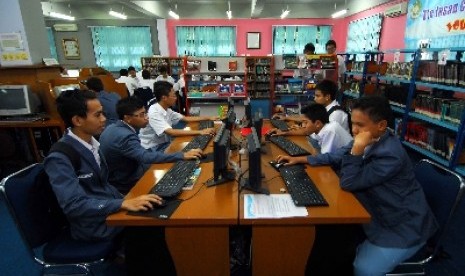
(206, 41)
(292, 39)
(120, 47)
(51, 43)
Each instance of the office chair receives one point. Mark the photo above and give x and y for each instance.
(44, 228)
(443, 189)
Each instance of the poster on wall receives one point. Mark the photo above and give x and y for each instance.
(12, 51)
(435, 24)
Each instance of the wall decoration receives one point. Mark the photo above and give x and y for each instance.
(364, 35)
(253, 40)
(71, 48)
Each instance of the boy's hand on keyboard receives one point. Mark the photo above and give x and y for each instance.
(289, 160)
(141, 203)
(208, 131)
(193, 154)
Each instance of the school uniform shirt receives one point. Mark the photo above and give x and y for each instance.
(159, 121)
(331, 137)
(168, 79)
(131, 83)
(339, 116)
(147, 83)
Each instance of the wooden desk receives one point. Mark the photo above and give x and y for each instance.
(198, 232)
(55, 125)
(282, 246)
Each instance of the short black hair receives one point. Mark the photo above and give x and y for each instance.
(123, 72)
(327, 87)
(309, 47)
(145, 74)
(95, 84)
(316, 112)
(331, 42)
(376, 107)
(161, 88)
(131, 68)
(72, 103)
(163, 69)
(128, 106)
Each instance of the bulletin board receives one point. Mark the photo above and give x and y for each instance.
(364, 35)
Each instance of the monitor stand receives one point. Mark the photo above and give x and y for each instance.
(224, 177)
(245, 184)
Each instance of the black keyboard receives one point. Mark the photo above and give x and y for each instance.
(170, 185)
(280, 124)
(301, 188)
(206, 124)
(198, 142)
(288, 146)
(22, 118)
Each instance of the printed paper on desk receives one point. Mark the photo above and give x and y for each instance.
(272, 206)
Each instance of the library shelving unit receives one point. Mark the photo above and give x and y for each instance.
(291, 92)
(260, 83)
(430, 104)
(212, 81)
(174, 65)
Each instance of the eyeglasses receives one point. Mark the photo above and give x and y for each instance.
(143, 114)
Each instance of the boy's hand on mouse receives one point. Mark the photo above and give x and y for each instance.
(361, 141)
(193, 154)
(209, 131)
(141, 203)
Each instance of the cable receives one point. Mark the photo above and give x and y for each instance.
(204, 184)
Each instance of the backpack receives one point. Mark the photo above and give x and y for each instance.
(338, 107)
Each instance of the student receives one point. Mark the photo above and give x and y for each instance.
(130, 82)
(160, 129)
(146, 81)
(85, 195)
(163, 69)
(325, 94)
(107, 99)
(127, 159)
(329, 136)
(331, 49)
(377, 170)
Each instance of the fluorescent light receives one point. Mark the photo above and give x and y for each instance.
(284, 14)
(117, 14)
(173, 14)
(61, 16)
(339, 13)
(229, 13)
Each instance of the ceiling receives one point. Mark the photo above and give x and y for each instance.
(203, 9)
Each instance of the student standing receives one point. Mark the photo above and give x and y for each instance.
(162, 118)
(120, 144)
(341, 63)
(377, 170)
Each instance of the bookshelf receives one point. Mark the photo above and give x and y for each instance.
(260, 83)
(174, 65)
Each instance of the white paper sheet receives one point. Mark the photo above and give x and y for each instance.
(272, 206)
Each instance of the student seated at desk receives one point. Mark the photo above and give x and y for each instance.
(107, 99)
(377, 170)
(86, 197)
(325, 94)
(127, 159)
(327, 136)
(160, 129)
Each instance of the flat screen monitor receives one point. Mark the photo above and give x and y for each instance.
(221, 148)
(17, 100)
(230, 119)
(248, 113)
(254, 181)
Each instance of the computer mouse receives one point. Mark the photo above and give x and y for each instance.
(277, 165)
(268, 135)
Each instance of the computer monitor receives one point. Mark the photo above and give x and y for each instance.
(18, 100)
(221, 144)
(248, 113)
(254, 182)
(257, 123)
(230, 119)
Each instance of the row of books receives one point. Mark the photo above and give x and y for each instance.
(444, 109)
(452, 73)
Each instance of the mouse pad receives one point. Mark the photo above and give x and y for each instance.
(208, 158)
(160, 212)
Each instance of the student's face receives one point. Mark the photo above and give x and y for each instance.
(361, 122)
(94, 123)
(138, 119)
(310, 126)
(330, 49)
(322, 99)
(172, 98)
(132, 73)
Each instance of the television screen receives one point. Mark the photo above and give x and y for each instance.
(17, 100)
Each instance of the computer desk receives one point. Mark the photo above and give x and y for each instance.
(282, 246)
(197, 233)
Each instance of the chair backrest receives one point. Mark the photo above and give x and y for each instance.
(33, 204)
(145, 94)
(443, 189)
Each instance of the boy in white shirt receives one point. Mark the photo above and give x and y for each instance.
(164, 75)
(130, 82)
(325, 94)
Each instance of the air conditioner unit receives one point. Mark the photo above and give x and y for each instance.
(396, 10)
(65, 27)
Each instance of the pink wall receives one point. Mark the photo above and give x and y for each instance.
(392, 32)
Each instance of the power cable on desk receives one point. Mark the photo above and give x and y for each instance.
(198, 190)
